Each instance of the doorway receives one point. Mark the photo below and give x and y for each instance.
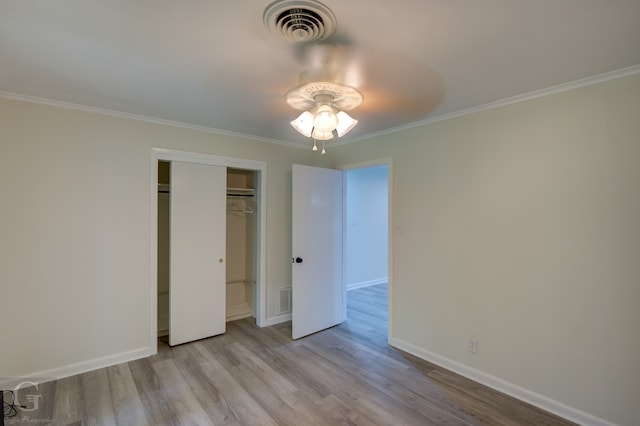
(246, 253)
(366, 239)
(319, 283)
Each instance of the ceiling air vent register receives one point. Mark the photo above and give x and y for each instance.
(300, 21)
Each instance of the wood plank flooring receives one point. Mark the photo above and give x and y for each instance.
(346, 375)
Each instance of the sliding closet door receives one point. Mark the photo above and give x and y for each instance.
(198, 248)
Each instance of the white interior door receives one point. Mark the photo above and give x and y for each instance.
(198, 246)
(318, 294)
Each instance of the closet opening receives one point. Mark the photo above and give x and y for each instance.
(242, 246)
(164, 205)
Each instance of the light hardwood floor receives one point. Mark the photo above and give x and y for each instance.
(346, 375)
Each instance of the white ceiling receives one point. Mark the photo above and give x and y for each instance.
(215, 64)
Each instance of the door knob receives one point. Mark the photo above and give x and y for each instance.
(297, 260)
(220, 260)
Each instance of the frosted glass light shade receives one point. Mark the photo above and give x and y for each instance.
(345, 123)
(321, 136)
(325, 119)
(304, 123)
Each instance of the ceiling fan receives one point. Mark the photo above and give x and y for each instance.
(339, 77)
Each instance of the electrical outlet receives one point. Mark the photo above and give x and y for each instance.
(473, 345)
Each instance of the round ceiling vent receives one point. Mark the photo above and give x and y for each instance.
(299, 21)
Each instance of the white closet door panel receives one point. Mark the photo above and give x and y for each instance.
(198, 248)
(318, 294)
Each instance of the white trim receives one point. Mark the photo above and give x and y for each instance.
(73, 369)
(503, 386)
(153, 250)
(362, 284)
(390, 239)
(145, 118)
(209, 159)
(588, 81)
(158, 154)
(365, 164)
(278, 319)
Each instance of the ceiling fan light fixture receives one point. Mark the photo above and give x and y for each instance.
(321, 136)
(324, 105)
(304, 123)
(325, 119)
(345, 123)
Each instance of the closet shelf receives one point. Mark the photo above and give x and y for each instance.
(240, 192)
(240, 282)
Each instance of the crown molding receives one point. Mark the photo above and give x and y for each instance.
(144, 118)
(588, 81)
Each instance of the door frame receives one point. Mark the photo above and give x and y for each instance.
(164, 154)
(388, 161)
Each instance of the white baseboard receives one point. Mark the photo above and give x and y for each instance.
(238, 316)
(277, 320)
(73, 369)
(235, 312)
(503, 386)
(353, 286)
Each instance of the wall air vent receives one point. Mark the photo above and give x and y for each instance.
(299, 20)
(285, 300)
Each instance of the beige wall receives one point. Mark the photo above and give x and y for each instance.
(521, 226)
(75, 243)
